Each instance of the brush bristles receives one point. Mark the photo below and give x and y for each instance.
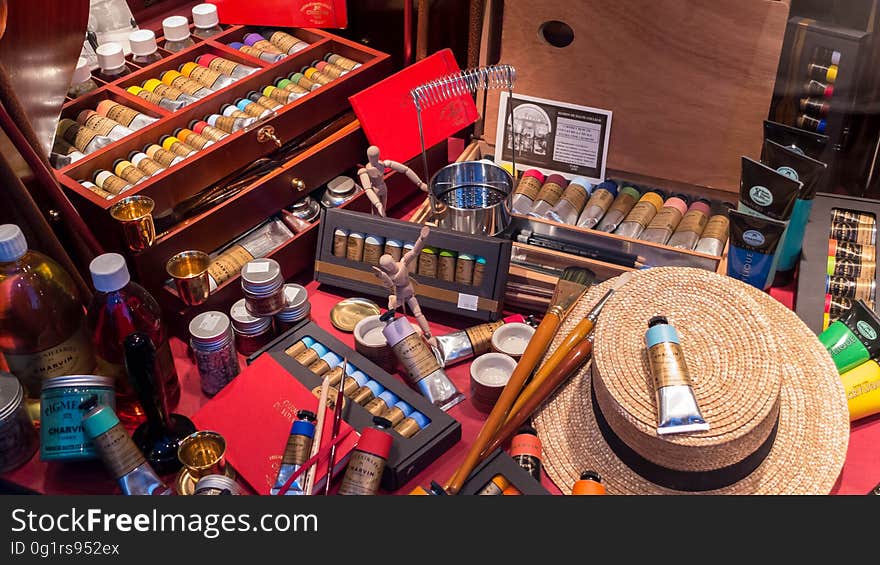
(578, 275)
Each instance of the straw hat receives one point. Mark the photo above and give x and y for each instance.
(777, 410)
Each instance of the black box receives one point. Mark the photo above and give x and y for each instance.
(500, 463)
(814, 258)
(432, 293)
(409, 456)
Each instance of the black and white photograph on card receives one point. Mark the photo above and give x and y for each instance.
(553, 136)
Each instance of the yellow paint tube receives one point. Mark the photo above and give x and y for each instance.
(862, 386)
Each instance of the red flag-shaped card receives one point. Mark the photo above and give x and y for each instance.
(388, 115)
(254, 414)
(283, 13)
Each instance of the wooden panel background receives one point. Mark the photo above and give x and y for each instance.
(689, 81)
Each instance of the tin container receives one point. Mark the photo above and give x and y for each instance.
(211, 341)
(263, 287)
(306, 209)
(217, 485)
(296, 308)
(61, 432)
(339, 190)
(18, 438)
(251, 332)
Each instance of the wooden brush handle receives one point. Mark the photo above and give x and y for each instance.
(534, 351)
(567, 367)
(576, 336)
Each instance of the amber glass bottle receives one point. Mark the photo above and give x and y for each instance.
(119, 308)
(42, 322)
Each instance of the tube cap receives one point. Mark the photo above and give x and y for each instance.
(632, 191)
(375, 387)
(653, 198)
(151, 84)
(175, 28)
(109, 272)
(831, 75)
(332, 359)
(403, 407)
(120, 165)
(110, 56)
(360, 377)
(677, 203)
(242, 104)
(832, 247)
(420, 419)
(832, 264)
(104, 106)
(205, 59)
(236, 45)
(143, 42)
(700, 206)
(302, 428)
(205, 15)
(100, 421)
(388, 397)
(534, 173)
(169, 76)
(376, 442)
(252, 38)
(319, 349)
(186, 69)
(82, 72)
(12, 243)
(608, 185)
(309, 341)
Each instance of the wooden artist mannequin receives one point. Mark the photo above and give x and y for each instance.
(372, 178)
(395, 275)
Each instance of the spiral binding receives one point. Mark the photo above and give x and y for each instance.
(469, 81)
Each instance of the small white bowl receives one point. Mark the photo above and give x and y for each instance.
(512, 339)
(489, 375)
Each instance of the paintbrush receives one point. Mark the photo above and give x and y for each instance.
(319, 434)
(573, 361)
(337, 419)
(575, 336)
(572, 285)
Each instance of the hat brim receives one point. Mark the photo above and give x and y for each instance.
(807, 454)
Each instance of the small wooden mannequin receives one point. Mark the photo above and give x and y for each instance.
(372, 178)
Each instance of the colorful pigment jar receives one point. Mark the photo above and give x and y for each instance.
(61, 430)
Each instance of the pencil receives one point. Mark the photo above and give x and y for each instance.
(319, 433)
(337, 419)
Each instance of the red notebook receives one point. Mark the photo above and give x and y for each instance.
(388, 115)
(283, 13)
(254, 414)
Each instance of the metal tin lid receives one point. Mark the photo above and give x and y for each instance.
(244, 322)
(347, 313)
(341, 186)
(78, 381)
(220, 482)
(209, 328)
(296, 304)
(261, 275)
(306, 209)
(11, 394)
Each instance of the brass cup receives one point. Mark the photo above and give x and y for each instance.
(135, 213)
(189, 269)
(203, 453)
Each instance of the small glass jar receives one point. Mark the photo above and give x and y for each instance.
(306, 209)
(18, 437)
(211, 342)
(263, 287)
(296, 308)
(61, 435)
(251, 332)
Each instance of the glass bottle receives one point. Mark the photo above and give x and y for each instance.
(144, 50)
(206, 20)
(42, 322)
(82, 81)
(176, 31)
(111, 59)
(121, 307)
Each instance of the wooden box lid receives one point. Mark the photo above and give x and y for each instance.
(689, 81)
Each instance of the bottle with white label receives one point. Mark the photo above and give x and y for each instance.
(42, 322)
(206, 21)
(177, 36)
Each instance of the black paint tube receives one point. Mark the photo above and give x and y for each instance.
(753, 245)
(765, 192)
(800, 141)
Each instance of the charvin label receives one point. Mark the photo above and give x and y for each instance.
(761, 195)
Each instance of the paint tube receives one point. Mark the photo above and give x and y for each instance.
(766, 193)
(862, 386)
(465, 344)
(753, 243)
(800, 141)
(677, 409)
(854, 338)
(807, 171)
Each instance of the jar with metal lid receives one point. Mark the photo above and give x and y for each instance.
(306, 209)
(296, 308)
(263, 287)
(339, 190)
(251, 332)
(216, 359)
(18, 437)
(217, 485)
(61, 432)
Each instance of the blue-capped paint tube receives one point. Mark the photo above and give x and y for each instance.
(299, 446)
(766, 193)
(677, 409)
(808, 171)
(753, 244)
